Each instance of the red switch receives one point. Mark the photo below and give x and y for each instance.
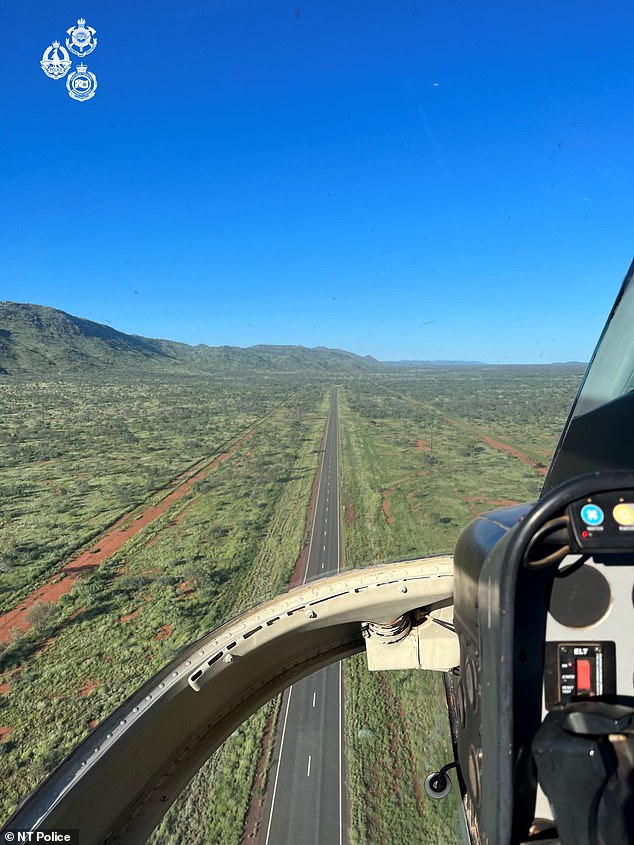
(584, 675)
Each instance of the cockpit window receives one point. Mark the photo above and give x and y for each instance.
(611, 371)
(597, 434)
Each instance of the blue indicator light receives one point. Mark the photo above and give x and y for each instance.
(592, 515)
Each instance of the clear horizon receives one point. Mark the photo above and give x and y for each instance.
(418, 182)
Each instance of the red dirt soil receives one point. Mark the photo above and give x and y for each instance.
(423, 445)
(163, 632)
(5, 688)
(386, 510)
(478, 505)
(5, 733)
(522, 457)
(128, 616)
(88, 687)
(254, 815)
(187, 591)
(118, 534)
(350, 511)
(397, 736)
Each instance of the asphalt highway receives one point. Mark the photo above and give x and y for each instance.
(306, 790)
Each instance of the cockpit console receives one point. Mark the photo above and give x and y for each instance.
(543, 703)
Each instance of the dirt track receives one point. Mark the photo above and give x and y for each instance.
(116, 536)
(521, 456)
(500, 445)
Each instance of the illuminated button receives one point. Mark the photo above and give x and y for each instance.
(592, 514)
(624, 513)
(584, 675)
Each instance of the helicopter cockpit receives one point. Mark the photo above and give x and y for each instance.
(530, 622)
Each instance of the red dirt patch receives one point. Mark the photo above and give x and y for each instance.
(423, 445)
(88, 687)
(5, 688)
(117, 535)
(163, 632)
(350, 511)
(5, 733)
(93, 723)
(400, 736)
(255, 815)
(127, 617)
(386, 510)
(478, 505)
(187, 591)
(522, 457)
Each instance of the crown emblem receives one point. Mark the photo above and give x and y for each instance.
(81, 84)
(81, 38)
(55, 61)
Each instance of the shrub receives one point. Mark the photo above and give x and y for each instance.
(41, 615)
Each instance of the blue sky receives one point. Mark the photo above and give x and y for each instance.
(403, 179)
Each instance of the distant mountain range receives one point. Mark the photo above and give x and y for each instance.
(35, 339)
(38, 340)
(439, 363)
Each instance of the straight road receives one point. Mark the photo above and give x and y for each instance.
(307, 799)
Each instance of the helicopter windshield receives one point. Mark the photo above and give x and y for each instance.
(596, 434)
(611, 370)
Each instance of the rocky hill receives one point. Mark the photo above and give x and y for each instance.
(38, 340)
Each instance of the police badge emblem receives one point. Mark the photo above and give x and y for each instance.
(55, 61)
(81, 40)
(81, 83)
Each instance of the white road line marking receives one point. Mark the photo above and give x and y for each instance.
(332, 465)
(312, 530)
(340, 756)
(279, 761)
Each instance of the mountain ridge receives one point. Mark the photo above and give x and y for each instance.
(39, 339)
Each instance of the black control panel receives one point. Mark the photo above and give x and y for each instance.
(603, 522)
(577, 670)
(543, 611)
